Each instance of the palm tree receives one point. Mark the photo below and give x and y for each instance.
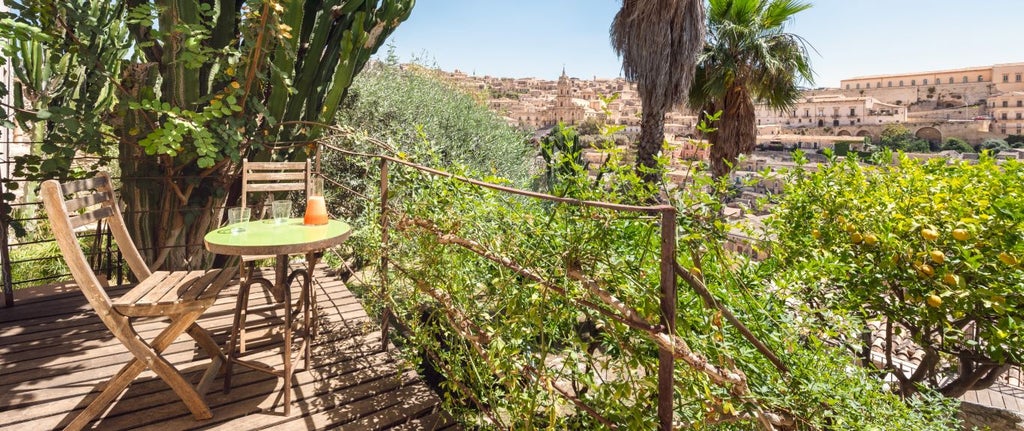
(658, 41)
(748, 57)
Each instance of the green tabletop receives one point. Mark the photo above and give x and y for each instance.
(263, 237)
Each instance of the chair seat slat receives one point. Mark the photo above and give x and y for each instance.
(171, 289)
(143, 288)
(176, 293)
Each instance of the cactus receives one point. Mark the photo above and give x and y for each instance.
(233, 77)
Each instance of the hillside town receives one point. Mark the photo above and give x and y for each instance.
(973, 104)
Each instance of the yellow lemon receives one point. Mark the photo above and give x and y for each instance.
(951, 279)
(926, 270)
(937, 256)
(934, 301)
(1008, 259)
(961, 234)
(856, 237)
(870, 239)
(816, 234)
(929, 234)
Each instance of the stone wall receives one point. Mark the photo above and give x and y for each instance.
(975, 416)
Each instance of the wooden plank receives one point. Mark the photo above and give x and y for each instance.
(418, 402)
(87, 201)
(255, 176)
(98, 182)
(150, 283)
(63, 359)
(434, 421)
(91, 217)
(257, 166)
(275, 187)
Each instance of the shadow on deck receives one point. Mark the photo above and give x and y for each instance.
(55, 354)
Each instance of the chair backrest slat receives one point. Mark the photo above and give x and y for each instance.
(275, 187)
(274, 177)
(256, 176)
(86, 201)
(94, 183)
(91, 217)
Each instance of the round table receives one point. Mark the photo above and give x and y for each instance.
(268, 237)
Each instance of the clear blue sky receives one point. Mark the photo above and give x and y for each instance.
(524, 38)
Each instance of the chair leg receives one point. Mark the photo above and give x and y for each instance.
(148, 353)
(188, 394)
(218, 361)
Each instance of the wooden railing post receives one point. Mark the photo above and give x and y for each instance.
(666, 365)
(386, 314)
(5, 266)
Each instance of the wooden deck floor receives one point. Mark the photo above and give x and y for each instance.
(55, 354)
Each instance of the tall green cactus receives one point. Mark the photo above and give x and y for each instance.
(184, 89)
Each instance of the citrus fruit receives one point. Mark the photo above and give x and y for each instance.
(934, 301)
(816, 234)
(926, 270)
(937, 256)
(870, 239)
(856, 237)
(961, 234)
(950, 279)
(929, 234)
(1008, 258)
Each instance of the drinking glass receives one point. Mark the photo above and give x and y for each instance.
(238, 215)
(316, 207)
(281, 210)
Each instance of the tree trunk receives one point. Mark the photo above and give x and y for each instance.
(167, 211)
(972, 376)
(736, 132)
(652, 139)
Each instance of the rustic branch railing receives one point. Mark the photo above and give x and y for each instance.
(663, 335)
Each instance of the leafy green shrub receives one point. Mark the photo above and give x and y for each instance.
(933, 249)
(409, 105)
(994, 145)
(492, 291)
(957, 144)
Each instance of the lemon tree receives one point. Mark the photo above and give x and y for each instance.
(925, 252)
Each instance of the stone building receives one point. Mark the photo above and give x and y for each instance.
(833, 110)
(942, 88)
(566, 109)
(1007, 112)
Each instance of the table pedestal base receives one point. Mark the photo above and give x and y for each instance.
(281, 291)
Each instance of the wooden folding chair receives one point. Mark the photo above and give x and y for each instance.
(181, 296)
(266, 179)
